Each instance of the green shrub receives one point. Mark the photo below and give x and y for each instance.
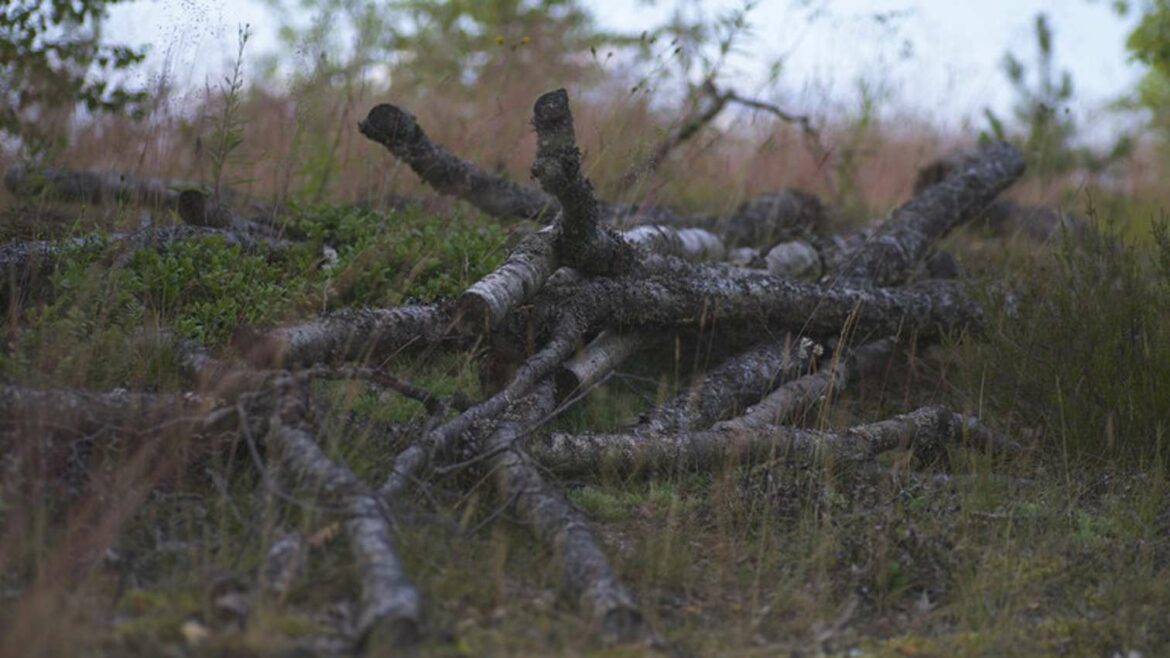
(204, 288)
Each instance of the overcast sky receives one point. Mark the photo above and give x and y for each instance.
(938, 58)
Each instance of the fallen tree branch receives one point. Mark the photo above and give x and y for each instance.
(910, 231)
(484, 305)
(197, 208)
(347, 335)
(595, 361)
(85, 412)
(442, 439)
(1006, 218)
(925, 431)
(391, 608)
(792, 400)
(732, 385)
(533, 262)
(586, 574)
(398, 131)
(787, 404)
(91, 187)
(582, 243)
(673, 293)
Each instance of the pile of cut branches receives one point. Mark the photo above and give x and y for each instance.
(802, 316)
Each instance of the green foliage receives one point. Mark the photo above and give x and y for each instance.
(387, 259)
(1149, 43)
(209, 288)
(1043, 97)
(1083, 354)
(201, 288)
(52, 58)
(204, 288)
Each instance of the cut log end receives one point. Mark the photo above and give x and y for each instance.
(391, 126)
(389, 634)
(473, 315)
(551, 110)
(196, 209)
(566, 383)
(623, 625)
(260, 349)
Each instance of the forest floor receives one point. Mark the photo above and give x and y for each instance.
(1054, 553)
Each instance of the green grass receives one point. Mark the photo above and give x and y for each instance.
(1078, 357)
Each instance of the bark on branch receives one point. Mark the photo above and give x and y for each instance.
(347, 335)
(583, 243)
(673, 293)
(391, 608)
(732, 385)
(532, 263)
(412, 461)
(587, 577)
(926, 431)
(910, 231)
(398, 131)
(85, 412)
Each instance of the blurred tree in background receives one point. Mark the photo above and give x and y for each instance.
(1044, 127)
(1149, 43)
(422, 44)
(53, 59)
